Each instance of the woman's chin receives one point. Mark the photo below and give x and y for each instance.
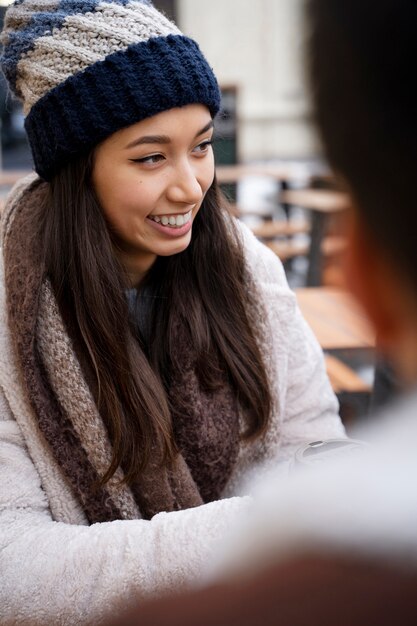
(173, 247)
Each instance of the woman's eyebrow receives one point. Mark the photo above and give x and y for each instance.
(163, 138)
(148, 139)
(206, 128)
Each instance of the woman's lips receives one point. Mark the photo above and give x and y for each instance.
(175, 220)
(171, 231)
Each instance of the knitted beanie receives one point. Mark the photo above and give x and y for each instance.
(87, 68)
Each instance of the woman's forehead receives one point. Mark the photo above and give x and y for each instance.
(180, 122)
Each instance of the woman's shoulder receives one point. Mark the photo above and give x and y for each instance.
(263, 264)
(15, 194)
(12, 199)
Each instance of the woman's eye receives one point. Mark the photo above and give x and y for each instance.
(153, 158)
(203, 147)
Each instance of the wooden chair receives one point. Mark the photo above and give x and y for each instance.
(286, 250)
(273, 228)
(320, 200)
(323, 204)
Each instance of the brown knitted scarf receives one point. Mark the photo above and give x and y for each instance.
(206, 425)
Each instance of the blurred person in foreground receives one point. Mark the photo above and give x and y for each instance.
(338, 544)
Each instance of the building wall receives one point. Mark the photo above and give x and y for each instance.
(256, 45)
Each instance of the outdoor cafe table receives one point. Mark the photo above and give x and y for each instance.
(335, 318)
(344, 333)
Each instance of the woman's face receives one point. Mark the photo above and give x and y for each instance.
(150, 179)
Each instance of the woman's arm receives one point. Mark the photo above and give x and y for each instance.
(59, 573)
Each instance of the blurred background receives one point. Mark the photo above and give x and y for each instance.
(269, 166)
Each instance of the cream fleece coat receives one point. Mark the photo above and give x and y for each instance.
(55, 569)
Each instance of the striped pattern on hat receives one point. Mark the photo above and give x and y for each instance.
(86, 68)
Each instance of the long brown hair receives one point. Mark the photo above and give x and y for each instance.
(204, 287)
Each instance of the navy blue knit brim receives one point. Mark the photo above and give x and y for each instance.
(126, 87)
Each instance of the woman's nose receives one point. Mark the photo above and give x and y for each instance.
(184, 186)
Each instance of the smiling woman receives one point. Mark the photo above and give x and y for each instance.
(151, 352)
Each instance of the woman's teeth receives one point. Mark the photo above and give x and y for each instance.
(176, 221)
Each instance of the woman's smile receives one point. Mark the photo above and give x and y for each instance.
(175, 225)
